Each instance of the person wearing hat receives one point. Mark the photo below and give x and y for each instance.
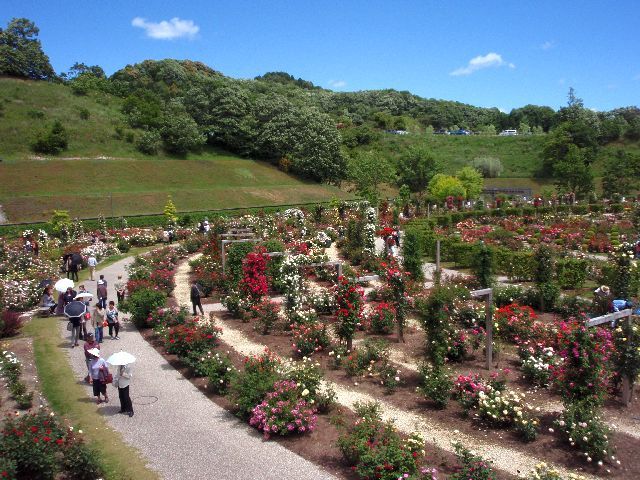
(89, 344)
(99, 372)
(101, 290)
(602, 299)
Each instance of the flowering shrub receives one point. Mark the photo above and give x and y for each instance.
(37, 445)
(381, 319)
(467, 388)
(505, 409)
(10, 323)
(349, 302)
(195, 335)
(515, 321)
(308, 375)
(363, 358)
(436, 384)
(283, 412)
(309, 338)
(582, 428)
(250, 386)
(582, 373)
(11, 369)
(165, 317)
(543, 472)
(100, 250)
(374, 449)
(217, 367)
(472, 466)
(266, 315)
(254, 279)
(537, 368)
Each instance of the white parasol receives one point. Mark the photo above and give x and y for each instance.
(121, 358)
(64, 283)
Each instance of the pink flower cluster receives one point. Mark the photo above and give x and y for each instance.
(283, 412)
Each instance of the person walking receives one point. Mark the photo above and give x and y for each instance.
(102, 279)
(121, 288)
(102, 293)
(89, 344)
(92, 262)
(195, 298)
(123, 381)
(72, 269)
(97, 323)
(86, 318)
(99, 375)
(112, 320)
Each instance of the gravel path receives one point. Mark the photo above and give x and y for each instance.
(176, 428)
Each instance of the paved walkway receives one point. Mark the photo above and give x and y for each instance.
(176, 428)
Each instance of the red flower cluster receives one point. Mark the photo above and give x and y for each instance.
(254, 267)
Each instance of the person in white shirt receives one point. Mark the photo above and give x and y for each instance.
(92, 262)
(122, 381)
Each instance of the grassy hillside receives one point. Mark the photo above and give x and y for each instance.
(100, 171)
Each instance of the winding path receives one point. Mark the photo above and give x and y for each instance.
(180, 432)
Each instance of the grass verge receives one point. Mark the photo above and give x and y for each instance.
(67, 398)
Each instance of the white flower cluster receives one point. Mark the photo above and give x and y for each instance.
(370, 231)
(293, 213)
(100, 250)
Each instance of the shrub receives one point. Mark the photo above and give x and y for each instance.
(548, 294)
(472, 466)
(284, 411)
(374, 449)
(436, 384)
(582, 427)
(123, 246)
(197, 335)
(218, 369)
(80, 462)
(266, 315)
(381, 319)
(149, 142)
(308, 375)
(53, 141)
(250, 386)
(571, 272)
(505, 409)
(349, 303)
(362, 358)
(141, 303)
(309, 338)
(515, 321)
(10, 323)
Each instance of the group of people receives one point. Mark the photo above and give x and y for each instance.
(203, 226)
(604, 302)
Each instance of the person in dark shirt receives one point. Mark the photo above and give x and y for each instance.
(195, 298)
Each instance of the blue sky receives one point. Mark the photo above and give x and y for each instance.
(486, 53)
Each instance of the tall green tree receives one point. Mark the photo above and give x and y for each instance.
(621, 174)
(367, 172)
(21, 53)
(441, 186)
(416, 168)
(472, 181)
(179, 131)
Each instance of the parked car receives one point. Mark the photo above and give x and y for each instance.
(461, 131)
(442, 131)
(508, 133)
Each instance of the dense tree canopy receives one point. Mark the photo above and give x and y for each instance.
(416, 168)
(21, 54)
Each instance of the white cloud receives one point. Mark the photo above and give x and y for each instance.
(482, 61)
(167, 30)
(337, 83)
(548, 45)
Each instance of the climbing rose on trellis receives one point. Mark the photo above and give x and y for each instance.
(349, 302)
(254, 280)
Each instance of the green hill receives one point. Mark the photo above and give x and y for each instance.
(103, 172)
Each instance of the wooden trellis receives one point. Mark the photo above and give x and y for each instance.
(487, 294)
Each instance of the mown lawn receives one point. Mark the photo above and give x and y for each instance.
(30, 190)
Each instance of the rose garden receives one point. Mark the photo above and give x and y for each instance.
(476, 351)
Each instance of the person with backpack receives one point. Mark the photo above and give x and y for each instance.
(195, 298)
(112, 320)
